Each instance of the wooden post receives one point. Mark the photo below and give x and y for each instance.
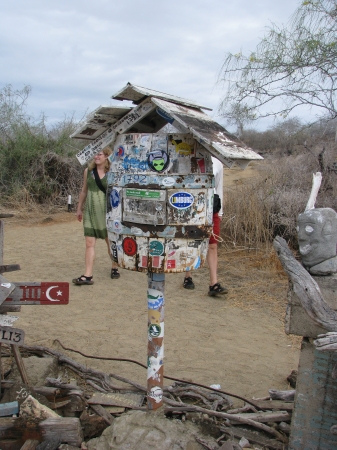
(20, 364)
(155, 355)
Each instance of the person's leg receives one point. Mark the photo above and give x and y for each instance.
(114, 266)
(212, 260)
(90, 243)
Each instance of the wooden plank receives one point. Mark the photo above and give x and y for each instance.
(263, 416)
(9, 268)
(66, 429)
(125, 400)
(274, 405)
(6, 309)
(1, 241)
(6, 288)
(8, 409)
(253, 436)
(39, 293)
(103, 413)
(10, 335)
(30, 444)
(315, 401)
(20, 364)
(126, 122)
(7, 321)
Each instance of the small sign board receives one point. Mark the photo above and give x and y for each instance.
(10, 335)
(43, 293)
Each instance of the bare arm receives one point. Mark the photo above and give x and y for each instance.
(82, 197)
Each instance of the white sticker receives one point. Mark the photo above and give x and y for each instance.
(168, 181)
(6, 285)
(156, 393)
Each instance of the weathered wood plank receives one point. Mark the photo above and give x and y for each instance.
(113, 399)
(6, 288)
(253, 436)
(10, 335)
(6, 309)
(264, 416)
(103, 413)
(1, 242)
(8, 409)
(9, 268)
(20, 364)
(66, 429)
(30, 444)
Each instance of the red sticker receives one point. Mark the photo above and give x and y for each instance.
(144, 261)
(129, 246)
(155, 261)
(171, 264)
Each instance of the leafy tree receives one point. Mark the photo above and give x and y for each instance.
(292, 65)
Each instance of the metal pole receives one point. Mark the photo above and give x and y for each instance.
(155, 334)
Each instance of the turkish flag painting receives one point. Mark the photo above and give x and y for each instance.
(44, 293)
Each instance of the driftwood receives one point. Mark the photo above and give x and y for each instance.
(217, 401)
(30, 444)
(176, 406)
(252, 437)
(306, 288)
(326, 342)
(286, 396)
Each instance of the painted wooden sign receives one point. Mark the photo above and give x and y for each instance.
(121, 126)
(7, 321)
(43, 293)
(10, 335)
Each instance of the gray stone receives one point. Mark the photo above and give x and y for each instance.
(139, 430)
(326, 267)
(317, 235)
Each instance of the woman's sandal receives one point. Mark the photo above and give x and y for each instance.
(115, 273)
(217, 289)
(83, 280)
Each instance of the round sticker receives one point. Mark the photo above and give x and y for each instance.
(158, 160)
(154, 330)
(114, 198)
(156, 393)
(129, 246)
(156, 248)
(181, 200)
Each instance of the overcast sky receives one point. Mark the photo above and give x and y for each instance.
(75, 54)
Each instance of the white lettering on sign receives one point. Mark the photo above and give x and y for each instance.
(7, 320)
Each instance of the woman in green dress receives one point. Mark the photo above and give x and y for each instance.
(93, 200)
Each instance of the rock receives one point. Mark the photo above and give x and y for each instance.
(139, 430)
(292, 378)
(38, 369)
(32, 408)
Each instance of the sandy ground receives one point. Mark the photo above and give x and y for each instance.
(237, 341)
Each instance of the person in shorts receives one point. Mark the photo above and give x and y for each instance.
(215, 287)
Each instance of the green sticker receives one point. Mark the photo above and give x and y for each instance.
(142, 194)
(156, 248)
(154, 330)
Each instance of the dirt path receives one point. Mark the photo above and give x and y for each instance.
(238, 341)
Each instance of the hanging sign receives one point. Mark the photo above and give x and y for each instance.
(44, 293)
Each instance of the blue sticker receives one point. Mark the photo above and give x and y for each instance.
(164, 114)
(155, 299)
(181, 200)
(114, 198)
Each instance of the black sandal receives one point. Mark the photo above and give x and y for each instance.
(115, 273)
(83, 280)
(217, 289)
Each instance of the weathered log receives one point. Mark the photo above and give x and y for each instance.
(102, 412)
(286, 396)
(47, 391)
(306, 288)
(326, 342)
(176, 406)
(30, 444)
(274, 405)
(252, 437)
(20, 364)
(67, 429)
(9, 268)
(263, 416)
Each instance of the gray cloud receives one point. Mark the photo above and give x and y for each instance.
(76, 54)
